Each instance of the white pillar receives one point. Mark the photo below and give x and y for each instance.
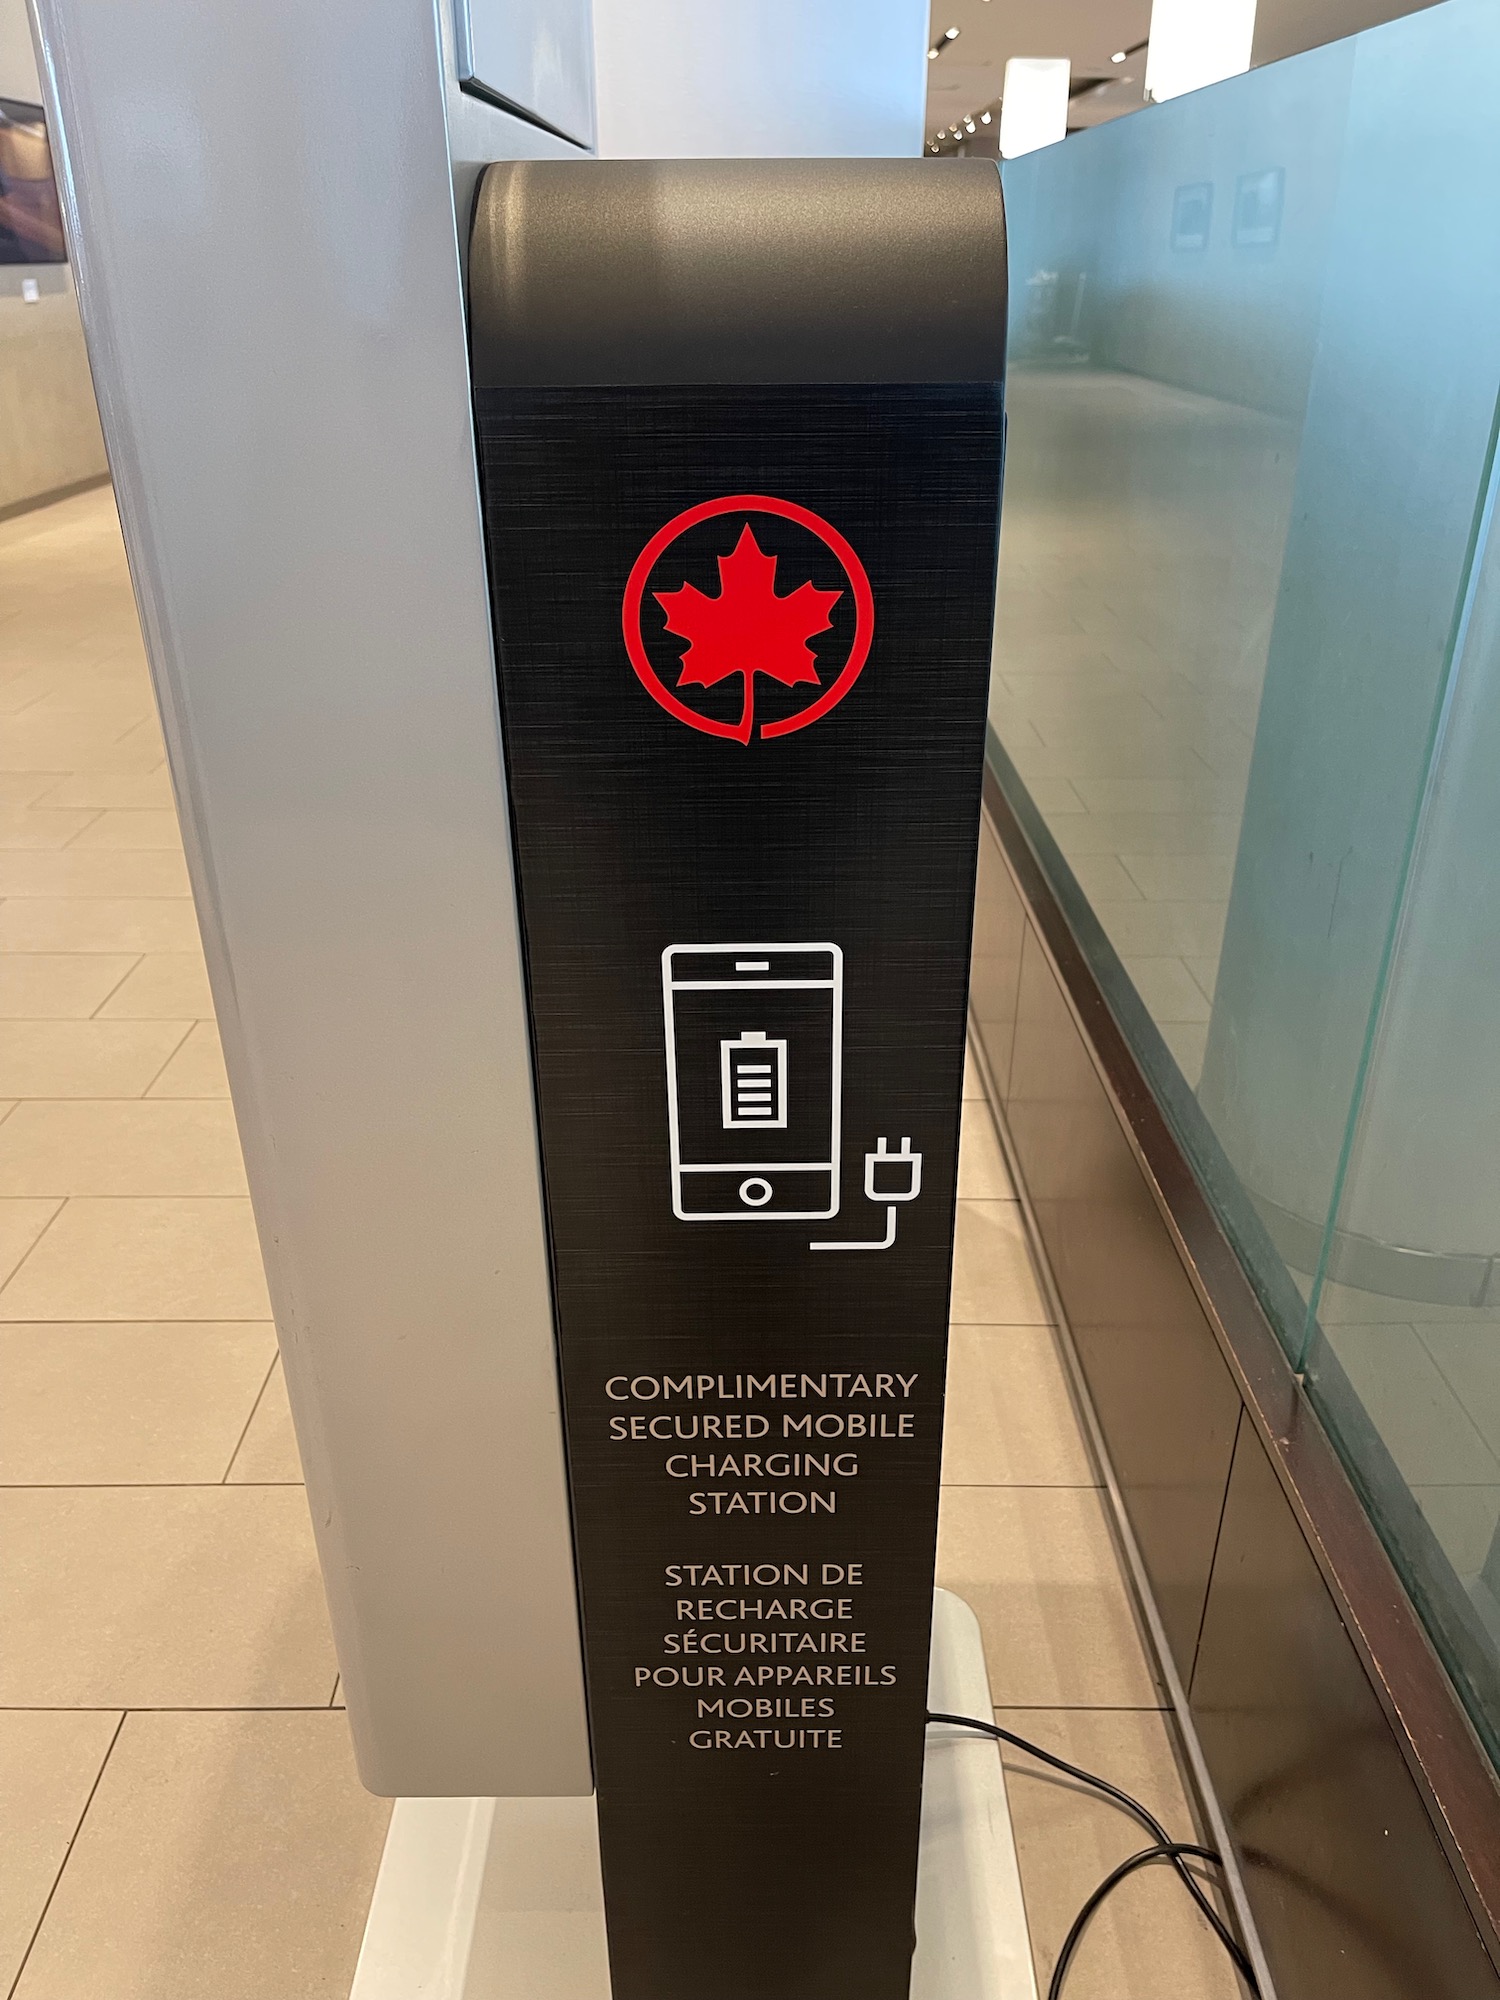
(1194, 42)
(721, 79)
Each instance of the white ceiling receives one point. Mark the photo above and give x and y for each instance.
(971, 70)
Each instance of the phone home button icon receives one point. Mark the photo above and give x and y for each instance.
(755, 1192)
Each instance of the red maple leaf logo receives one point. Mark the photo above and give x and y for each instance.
(747, 629)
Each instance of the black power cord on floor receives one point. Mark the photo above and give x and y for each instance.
(1164, 1848)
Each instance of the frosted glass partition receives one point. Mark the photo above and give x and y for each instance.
(1247, 699)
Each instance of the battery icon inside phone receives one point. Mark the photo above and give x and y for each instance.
(753, 1073)
(754, 1047)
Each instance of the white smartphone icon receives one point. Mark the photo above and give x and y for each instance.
(754, 1045)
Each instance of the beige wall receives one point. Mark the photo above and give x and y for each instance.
(49, 429)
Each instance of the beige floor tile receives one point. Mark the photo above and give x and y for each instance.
(1038, 1566)
(1206, 972)
(145, 828)
(982, 1173)
(21, 1224)
(268, 1452)
(161, 1597)
(1180, 877)
(1148, 1942)
(1009, 1419)
(127, 1405)
(165, 986)
(197, 1069)
(1163, 930)
(147, 734)
(1145, 832)
(49, 1760)
(98, 923)
(125, 701)
(22, 788)
(59, 986)
(1168, 989)
(1429, 1431)
(1102, 879)
(23, 828)
(94, 872)
(993, 1280)
(142, 1259)
(1188, 1041)
(224, 1857)
(86, 1058)
(102, 792)
(1054, 795)
(121, 1146)
(33, 740)
(1464, 1519)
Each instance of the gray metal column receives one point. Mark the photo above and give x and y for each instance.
(261, 208)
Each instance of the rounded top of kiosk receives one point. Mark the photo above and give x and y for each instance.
(703, 271)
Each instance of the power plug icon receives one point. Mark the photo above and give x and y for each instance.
(893, 1176)
(889, 1178)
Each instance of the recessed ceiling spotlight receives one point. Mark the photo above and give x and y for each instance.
(950, 34)
(968, 124)
(1118, 56)
(984, 118)
(932, 55)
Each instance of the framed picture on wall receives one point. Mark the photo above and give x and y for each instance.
(1192, 214)
(1257, 208)
(31, 230)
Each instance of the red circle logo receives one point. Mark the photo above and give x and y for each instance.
(749, 628)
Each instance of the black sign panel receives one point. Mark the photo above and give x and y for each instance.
(744, 637)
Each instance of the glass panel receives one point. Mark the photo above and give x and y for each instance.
(1405, 1365)
(1247, 703)
(1249, 406)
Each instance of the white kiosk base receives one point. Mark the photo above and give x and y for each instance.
(499, 1899)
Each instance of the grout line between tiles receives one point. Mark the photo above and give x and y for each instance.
(95, 813)
(17, 1269)
(140, 961)
(245, 1432)
(172, 1708)
(152, 1486)
(67, 1854)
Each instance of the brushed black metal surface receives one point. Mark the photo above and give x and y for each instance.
(680, 271)
(743, 1859)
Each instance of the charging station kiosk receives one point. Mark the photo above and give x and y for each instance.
(594, 1031)
(740, 429)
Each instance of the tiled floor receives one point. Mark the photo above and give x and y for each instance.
(179, 1816)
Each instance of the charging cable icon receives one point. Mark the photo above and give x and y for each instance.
(889, 1178)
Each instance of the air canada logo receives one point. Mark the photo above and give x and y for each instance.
(775, 608)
